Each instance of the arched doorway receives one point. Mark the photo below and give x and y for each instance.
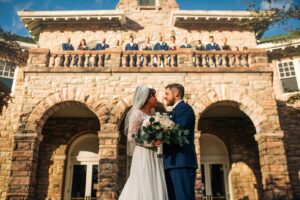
(229, 155)
(214, 167)
(69, 147)
(82, 168)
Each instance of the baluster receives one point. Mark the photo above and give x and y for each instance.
(197, 60)
(66, 61)
(174, 61)
(244, 60)
(131, 60)
(218, 60)
(250, 60)
(123, 60)
(80, 60)
(167, 61)
(231, 60)
(151, 64)
(211, 60)
(57, 61)
(52, 60)
(86, 60)
(138, 60)
(237, 60)
(72, 61)
(101, 60)
(159, 57)
(224, 60)
(204, 60)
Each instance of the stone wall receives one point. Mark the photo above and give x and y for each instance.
(58, 134)
(142, 24)
(238, 136)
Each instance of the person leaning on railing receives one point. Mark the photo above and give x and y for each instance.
(225, 47)
(160, 46)
(100, 47)
(83, 47)
(67, 46)
(199, 47)
(172, 47)
(131, 46)
(147, 46)
(212, 46)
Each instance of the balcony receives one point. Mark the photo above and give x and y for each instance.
(116, 60)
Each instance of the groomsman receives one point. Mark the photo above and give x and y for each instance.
(185, 44)
(131, 46)
(101, 47)
(212, 46)
(67, 46)
(161, 46)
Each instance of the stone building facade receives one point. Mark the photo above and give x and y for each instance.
(66, 122)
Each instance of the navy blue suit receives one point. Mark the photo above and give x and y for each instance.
(161, 47)
(214, 46)
(180, 162)
(131, 47)
(101, 46)
(67, 47)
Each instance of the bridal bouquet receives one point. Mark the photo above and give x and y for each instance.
(161, 128)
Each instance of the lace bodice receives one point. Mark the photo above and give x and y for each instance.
(135, 122)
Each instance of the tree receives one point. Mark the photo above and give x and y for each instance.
(10, 51)
(271, 12)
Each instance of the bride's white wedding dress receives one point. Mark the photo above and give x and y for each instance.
(146, 180)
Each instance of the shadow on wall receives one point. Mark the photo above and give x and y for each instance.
(289, 118)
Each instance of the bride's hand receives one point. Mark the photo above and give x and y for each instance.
(157, 143)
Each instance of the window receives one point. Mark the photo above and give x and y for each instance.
(287, 75)
(7, 69)
(147, 2)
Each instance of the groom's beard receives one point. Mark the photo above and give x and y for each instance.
(171, 102)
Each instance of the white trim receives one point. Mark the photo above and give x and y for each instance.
(79, 160)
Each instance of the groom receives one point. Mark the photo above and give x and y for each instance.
(180, 162)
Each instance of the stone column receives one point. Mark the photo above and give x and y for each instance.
(108, 164)
(199, 184)
(273, 162)
(22, 179)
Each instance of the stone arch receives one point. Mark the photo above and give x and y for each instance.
(46, 107)
(237, 99)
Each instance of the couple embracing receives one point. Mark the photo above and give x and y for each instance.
(173, 176)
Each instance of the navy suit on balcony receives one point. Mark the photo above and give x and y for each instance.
(67, 47)
(212, 46)
(101, 47)
(161, 46)
(131, 47)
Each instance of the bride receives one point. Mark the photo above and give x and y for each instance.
(146, 180)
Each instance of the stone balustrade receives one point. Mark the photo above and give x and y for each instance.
(181, 59)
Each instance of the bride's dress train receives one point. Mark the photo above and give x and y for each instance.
(146, 180)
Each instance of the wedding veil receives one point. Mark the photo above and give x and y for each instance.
(139, 99)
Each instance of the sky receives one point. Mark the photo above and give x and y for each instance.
(10, 21)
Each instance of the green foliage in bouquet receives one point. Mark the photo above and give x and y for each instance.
(155, 131)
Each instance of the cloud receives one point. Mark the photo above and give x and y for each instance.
(16, 23)
(271, 4)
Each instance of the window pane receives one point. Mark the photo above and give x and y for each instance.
(291, 63)
(285, 64)
(79, 182)
(147, 2)
(289, 85)
(280, 65)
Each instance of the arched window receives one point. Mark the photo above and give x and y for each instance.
(147, 2)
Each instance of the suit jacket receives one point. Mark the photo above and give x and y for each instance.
(185, 46)
(161, 47)
(214, 46)
(101, 46)
(67, 47)
(176, 156)
(133, 47)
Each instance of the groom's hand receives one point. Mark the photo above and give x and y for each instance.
(157, 143)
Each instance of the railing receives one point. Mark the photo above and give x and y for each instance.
(117, 59)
